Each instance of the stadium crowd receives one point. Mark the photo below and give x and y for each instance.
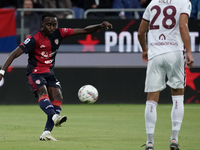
(80, 6)
(32, 19)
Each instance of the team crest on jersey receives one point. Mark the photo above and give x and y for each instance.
(162, 37)
(56, 41)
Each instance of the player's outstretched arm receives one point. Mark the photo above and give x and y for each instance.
(93, 28)
(14, 54)
(184, 31)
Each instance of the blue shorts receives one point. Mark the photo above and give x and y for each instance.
(35, 81)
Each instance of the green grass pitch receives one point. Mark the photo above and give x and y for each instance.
(95, 127)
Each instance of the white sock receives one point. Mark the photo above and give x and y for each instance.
(150, 119)
(46, 132)
(177, 115)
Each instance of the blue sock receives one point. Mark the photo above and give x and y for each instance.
(57, 106)
(57, 109)
(50, 124)
(50, 110)
(47, 107)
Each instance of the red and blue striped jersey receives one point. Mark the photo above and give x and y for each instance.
(42, 50)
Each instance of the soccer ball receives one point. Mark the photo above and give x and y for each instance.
(88, 94)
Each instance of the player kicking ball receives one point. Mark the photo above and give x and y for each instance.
(42, 47)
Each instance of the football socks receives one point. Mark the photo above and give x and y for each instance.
(150, 119)
(177, 115)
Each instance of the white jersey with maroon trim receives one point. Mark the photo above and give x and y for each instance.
(163, 16)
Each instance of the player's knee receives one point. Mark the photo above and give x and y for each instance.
(61, 100)
(58, 98)
(42, 91)
(177, 91)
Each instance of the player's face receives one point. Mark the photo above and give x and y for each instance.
(49, 25)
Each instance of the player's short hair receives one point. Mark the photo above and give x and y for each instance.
(48, 14)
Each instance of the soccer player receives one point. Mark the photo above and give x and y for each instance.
(167, 21)
(42, 48)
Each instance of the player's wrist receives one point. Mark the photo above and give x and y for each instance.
(2, 72)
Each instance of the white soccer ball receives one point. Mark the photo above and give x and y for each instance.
(88, 94)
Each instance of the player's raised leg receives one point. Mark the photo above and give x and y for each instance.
(56, 98)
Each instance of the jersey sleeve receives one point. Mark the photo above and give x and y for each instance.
(186, 8)
(65, 32)
(28, 45)
(146, 15)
